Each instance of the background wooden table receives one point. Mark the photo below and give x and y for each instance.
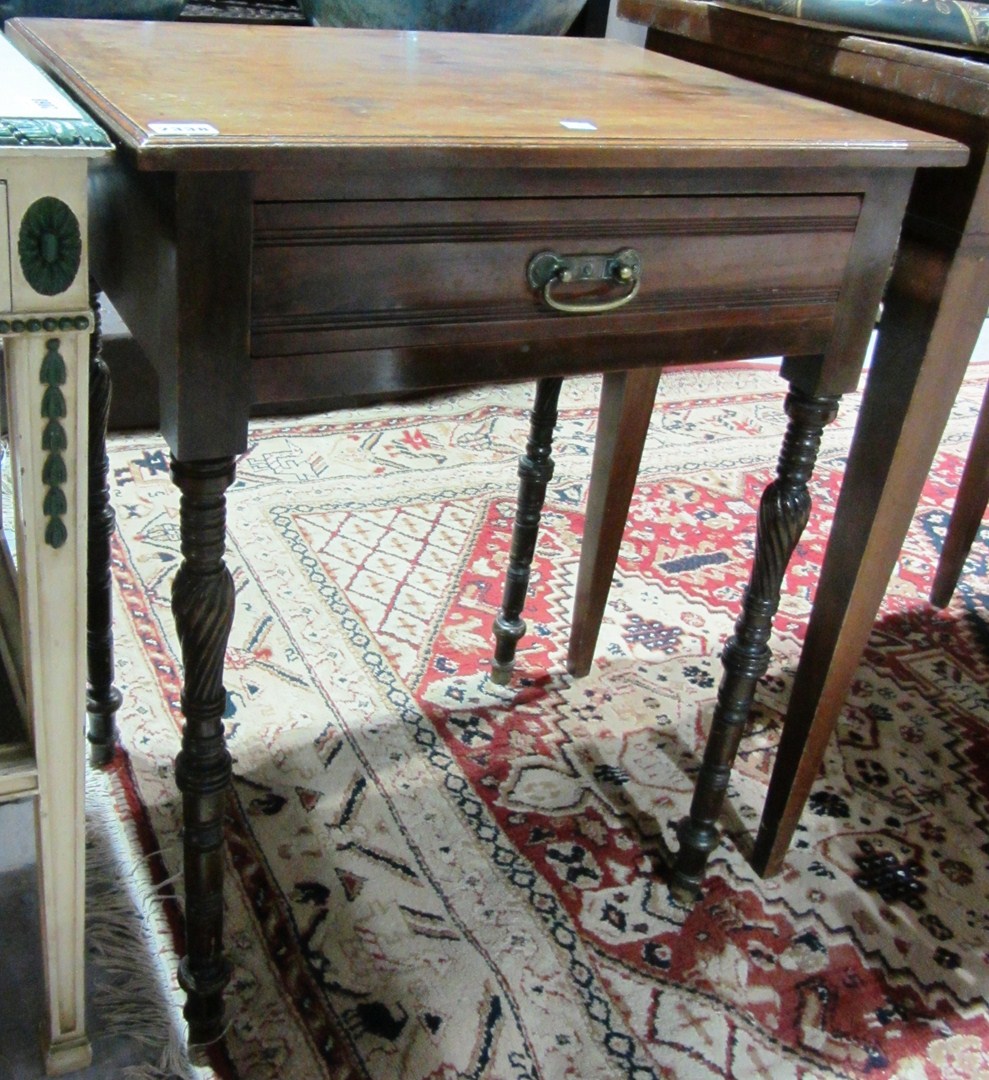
(934, 309)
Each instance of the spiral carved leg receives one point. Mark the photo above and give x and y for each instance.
(203, 607)
(102, 697)
(783, 514)
(535, 472)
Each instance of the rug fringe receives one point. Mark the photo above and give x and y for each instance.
(136, 1000)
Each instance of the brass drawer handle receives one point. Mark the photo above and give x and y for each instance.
(548, 269)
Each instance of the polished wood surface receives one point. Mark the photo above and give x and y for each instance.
(362, 223)
(475, 100)
(352, 276)
(934, 309)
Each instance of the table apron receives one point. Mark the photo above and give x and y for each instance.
(239, 299)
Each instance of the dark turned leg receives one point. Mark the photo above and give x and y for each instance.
(203, 606)
(102, 697)
(783, 514)
(535, 472)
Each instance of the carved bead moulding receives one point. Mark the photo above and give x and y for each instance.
(37, 324)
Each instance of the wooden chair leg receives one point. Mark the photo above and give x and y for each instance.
(970, 507)
(535, 472)
(627, 399)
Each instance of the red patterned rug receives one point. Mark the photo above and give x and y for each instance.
(431, 876)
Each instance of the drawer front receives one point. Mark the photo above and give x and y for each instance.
(351, 276)
(6, 252)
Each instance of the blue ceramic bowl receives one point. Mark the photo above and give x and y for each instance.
(475, 16)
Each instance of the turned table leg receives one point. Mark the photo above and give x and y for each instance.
(103, 698)
(203, 607)
(783, 514)
(535, 472)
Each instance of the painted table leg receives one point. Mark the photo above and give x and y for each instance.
(47, 381)
(103, 698)
(932, 315)
(783, 514)
(203, 607)
(535, 473)
(627, 399)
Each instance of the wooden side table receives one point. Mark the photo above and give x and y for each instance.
(282, 237)
(45, 327)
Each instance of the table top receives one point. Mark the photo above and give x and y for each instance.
(35, 115)
(206, 97)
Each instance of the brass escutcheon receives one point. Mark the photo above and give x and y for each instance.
(547, 269)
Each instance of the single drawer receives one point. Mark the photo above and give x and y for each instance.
(350, 276)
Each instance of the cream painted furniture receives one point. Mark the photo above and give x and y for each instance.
(45, 327)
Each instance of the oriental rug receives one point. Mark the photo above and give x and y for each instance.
(430, 876)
